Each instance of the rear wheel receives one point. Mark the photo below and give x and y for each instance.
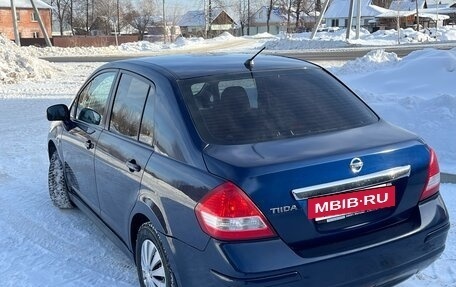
(151, 259)
(58, 190)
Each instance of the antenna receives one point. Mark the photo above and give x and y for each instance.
(249, 63)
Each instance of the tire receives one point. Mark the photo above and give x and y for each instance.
(151, 259)
(58, 190)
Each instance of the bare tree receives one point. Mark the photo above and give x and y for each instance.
(140, 15)
(61, 11)
(174, 13)
(77, 18)
(106, 14)
(289, 6)
(292, 9)
(299, 5)
(270, 8)
(242, 11)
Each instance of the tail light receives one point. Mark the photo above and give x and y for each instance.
(226, 213)
(433, 179)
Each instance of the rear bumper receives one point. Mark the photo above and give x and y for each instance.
(273, 263)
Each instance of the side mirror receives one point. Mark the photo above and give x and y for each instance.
(89, 116)
(58, 113)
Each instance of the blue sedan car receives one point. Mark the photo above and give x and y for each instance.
(220, 170)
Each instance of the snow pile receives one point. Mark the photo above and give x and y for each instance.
(140, 46)
(264, 35)
(299, 43)
(390, 37)
(338, 34)
(372, 61)
(322, 40)
(416, 93)
(337, 38)
(183, 42)
(409, 35)
(224, 36)
(17, 64)
(70, 51)
(447, 33)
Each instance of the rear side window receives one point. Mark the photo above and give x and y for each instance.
(128, 106)
(146, 134)
(263, 106)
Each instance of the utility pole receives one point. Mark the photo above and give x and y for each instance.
(398, 27)
(164, 23)
(437, 20)
(320, 18)
(417, 16)
(350, 20)
(248, 17)
(40, 21)
(209, 12)
(71, 16)
(358, 18)
(118, 17)
(87, 17)
(16, 30)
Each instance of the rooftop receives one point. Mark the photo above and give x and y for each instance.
(24, 4)
(197, 18)
(340, 9)
(190, 66)
(406, 5)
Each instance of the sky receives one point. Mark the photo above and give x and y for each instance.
(185, 5)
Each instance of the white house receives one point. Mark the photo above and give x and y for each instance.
(429, 11)
(193, 23)
(338, 11)
(258, 22)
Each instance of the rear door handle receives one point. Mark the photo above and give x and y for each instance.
(133, 166)
(89, 144)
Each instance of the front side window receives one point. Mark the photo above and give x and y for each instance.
(128, 106)
(263, 106)
(92, 101)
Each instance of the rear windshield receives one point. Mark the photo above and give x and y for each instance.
(263, 106)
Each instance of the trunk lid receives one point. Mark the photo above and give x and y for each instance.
(269, 172)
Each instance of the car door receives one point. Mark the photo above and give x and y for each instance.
(124, 149)
(79, 143)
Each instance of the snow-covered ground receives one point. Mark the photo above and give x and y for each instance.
(227, 42)
(336, 39)
(44, 246)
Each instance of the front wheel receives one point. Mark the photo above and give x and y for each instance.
(58, 190)
(151, 259)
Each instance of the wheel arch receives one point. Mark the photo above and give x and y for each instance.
(141, 214)
(51, 148)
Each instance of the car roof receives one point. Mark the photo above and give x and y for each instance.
(193, 65)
